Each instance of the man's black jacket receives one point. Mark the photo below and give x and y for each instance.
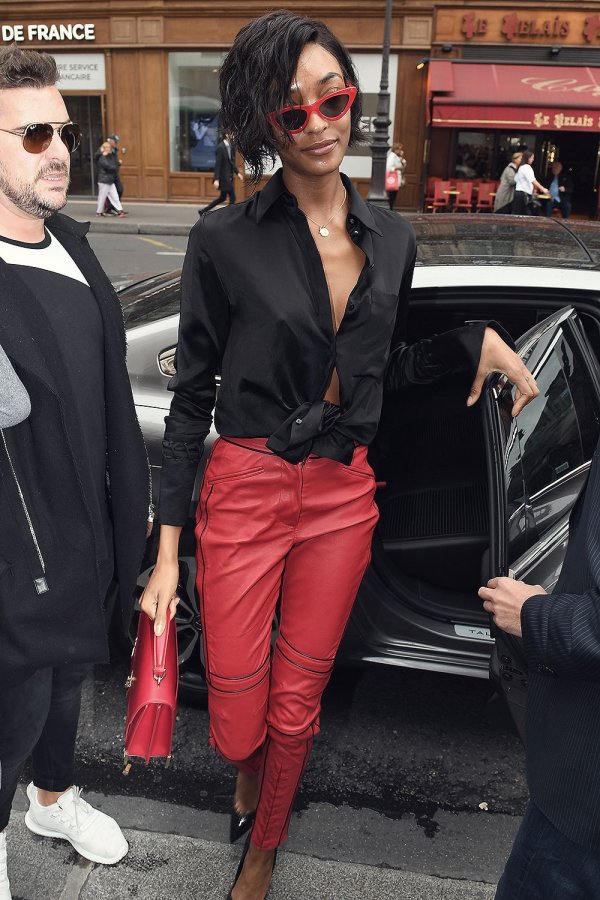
(66, 623)
(561, 636)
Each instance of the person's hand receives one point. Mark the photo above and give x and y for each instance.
(240, 176)
(503, 598)
(496, 356)
(561, 189)
(216, 182)
(160, 596)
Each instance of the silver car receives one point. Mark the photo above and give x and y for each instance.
(464, 493)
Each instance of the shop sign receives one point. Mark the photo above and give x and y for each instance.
(77, 31)
(522, 25)
(556, 120)
(518, 25)
(80, 71)
(562, 85)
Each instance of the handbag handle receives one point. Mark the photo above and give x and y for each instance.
(159, 652)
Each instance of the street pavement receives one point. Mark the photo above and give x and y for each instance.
(390, 806)
(143, 218)
(162, 865)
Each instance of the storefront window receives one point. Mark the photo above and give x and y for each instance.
(485, 154)
(509, 144)
(474, 154)
(194, 110)
(358, 161)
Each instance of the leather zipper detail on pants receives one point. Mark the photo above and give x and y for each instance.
(40, 584)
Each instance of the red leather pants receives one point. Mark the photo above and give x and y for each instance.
(265, 528)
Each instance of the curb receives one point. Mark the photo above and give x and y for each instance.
(120, 227)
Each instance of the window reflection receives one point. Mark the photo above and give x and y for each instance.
(194, 107)
(548, 446)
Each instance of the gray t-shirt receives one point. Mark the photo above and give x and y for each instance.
(14, 399)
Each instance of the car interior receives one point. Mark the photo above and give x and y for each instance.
(432, 540)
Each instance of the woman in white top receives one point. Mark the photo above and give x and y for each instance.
(395, 162)
(525, 182)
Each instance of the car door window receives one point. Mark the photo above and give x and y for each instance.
(556, 437)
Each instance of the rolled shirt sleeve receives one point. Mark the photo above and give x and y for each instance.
(431, 358)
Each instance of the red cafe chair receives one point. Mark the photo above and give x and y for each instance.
(431, 180)
(485, 201)
(440, 199)
(464, 198)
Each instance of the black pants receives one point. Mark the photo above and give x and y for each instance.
(546, 865)
(39, 715)
(221, 199)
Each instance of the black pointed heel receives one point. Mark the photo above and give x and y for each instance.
(239, 824)
(241, 866)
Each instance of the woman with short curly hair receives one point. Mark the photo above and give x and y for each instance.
(298, 297)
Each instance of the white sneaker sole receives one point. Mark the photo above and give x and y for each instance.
(43, 832)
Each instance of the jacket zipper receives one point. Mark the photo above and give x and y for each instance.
(41, 585)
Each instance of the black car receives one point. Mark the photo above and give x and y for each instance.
(464, 493)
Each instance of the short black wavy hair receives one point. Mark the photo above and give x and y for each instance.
(256, 75)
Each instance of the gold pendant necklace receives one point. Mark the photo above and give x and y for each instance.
(323, 229)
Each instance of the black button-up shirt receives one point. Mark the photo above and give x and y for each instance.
(255, 307)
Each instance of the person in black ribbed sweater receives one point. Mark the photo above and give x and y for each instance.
(14, 399)
(556, 854)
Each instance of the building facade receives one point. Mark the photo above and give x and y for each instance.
(148, 71)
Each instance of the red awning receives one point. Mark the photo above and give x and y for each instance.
(546, 98)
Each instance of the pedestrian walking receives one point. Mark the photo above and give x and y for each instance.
(113, 140)
(561, 190)
(225, 169)
(503, 201)
(395, 164)
(108, 171)
(524, 203)
(556, 853)
(292, 295)
(74, 485)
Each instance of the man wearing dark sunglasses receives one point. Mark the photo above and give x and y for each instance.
(73, 475)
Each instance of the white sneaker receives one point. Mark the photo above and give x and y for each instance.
(4, 882)
(93, 834)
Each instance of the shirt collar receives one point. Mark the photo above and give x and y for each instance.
(276, 189)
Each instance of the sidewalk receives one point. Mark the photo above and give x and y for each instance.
(172, 867)
(143, 218)
(161, 865)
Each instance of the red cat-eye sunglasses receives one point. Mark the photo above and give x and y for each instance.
(294, 119)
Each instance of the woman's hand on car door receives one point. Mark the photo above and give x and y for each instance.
(497, 356)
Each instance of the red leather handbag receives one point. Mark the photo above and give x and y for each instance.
(152, 693)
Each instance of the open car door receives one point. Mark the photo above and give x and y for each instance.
(538, 464)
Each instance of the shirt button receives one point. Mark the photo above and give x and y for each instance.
(351, 307)
(298, 421)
